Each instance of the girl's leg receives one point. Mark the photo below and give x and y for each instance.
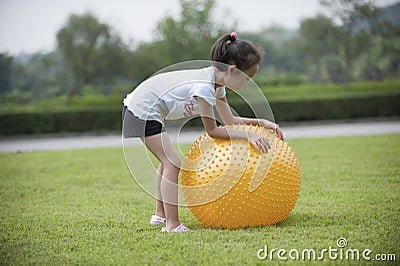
(160, 145)
(159, 204)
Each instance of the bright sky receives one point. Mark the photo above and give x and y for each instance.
(31, 25)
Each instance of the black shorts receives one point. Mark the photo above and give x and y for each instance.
(133, 127)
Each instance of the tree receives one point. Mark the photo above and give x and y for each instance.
(191, 36)
(354, 37)
(318, 41)
(92, 51)
(42, 75)
(283, 57)
(5, 73)
(186, 37)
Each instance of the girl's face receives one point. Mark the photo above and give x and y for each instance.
(237, 79)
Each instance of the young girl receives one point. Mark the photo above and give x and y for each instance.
(179, 94)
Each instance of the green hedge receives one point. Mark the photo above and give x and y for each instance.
(373, 106)
(320, 109)
(109, 118)
(77, 120)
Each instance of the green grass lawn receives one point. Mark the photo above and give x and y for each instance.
(83, 207)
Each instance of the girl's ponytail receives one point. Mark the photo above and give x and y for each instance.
(220, 48)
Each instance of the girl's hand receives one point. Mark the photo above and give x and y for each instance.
(275, 127)
(259, 142)
(279, 132)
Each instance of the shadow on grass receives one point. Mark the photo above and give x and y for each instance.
(297, 220)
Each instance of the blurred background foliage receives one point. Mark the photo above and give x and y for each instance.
(353, 49)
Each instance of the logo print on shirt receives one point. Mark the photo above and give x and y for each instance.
(189, 108)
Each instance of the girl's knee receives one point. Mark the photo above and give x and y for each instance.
(176, 162)
(171, 162)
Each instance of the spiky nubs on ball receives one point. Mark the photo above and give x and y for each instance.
(228, 183)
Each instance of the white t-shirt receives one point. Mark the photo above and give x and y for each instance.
(172, 95)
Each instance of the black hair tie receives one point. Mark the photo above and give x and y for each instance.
(232, 38)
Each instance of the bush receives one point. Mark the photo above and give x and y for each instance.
(75, 120)
(96, 112)
(374, 106)
(108, 118)
(285, 79)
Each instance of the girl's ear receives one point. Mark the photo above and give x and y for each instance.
(231, 69)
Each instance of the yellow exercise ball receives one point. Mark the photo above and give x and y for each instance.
(228, 183)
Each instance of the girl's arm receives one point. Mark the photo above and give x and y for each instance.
(210, 125)
(228, 118)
